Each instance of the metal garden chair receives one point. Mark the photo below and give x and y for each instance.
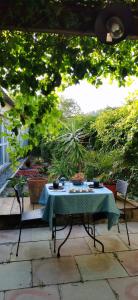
(121, 190)
(25, 216)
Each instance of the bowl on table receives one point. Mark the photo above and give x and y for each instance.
(77, 182)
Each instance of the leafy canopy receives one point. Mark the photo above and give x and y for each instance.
(35, 66)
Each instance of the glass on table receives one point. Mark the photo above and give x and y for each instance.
(85, 184)
(62, 180)
(67, 185)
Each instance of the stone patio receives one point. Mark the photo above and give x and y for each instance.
(82, 271)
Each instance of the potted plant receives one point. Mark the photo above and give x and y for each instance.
(36, 184)
(109, 181)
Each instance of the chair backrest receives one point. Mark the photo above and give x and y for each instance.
(19, 197)
(121, 187)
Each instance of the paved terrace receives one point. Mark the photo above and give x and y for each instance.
(82, 272)
(9, 206)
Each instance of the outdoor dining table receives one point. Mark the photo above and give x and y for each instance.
(71, 200)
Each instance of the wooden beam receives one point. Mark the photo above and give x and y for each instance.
(58, 18)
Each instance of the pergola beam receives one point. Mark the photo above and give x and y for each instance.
(59, 17)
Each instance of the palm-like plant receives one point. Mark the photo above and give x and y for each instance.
(72, 145)
(70, 150)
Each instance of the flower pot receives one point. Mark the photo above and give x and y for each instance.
(111, 187)
(35, 186)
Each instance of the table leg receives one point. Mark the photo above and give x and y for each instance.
(88, 225)
(58, 230)
(70, 228)
(70, 223)
(93, 236)
(54, 231)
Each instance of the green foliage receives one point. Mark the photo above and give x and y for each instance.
(117, 136)
(118, 128)
(43, 171)
(103, 146)
(70, 144)
(36, 66)
(102, 164)
(133, 182)
(20, 180)
(59, 168)
(46, 150)
(68, 108)
(69, 152)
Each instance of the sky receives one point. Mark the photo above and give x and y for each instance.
(90, 98)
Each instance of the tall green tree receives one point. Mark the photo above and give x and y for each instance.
(69, 108)
(118, 129)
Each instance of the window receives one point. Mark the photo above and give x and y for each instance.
(4, 157)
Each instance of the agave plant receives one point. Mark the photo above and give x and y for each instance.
(72, 145)
(70, 151)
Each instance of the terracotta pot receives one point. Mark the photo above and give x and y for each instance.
(35, 186)
(111, 187)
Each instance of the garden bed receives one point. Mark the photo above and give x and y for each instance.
(23, 174)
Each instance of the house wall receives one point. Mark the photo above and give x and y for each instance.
(5, 165)
(4, 157)
(5, 170)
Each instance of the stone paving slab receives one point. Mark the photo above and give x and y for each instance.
(15, 208)
(99, 266)
(125, 288)
(61, 234)
(91, 290)
(133, 227)
(1, 296)
(77, 231)
(111, 244)
(129, 259)
(27, 204)
(43, 293)
(28, 235)
(39, 234)
(105, 275)
(36, 234)
(15, 275)
(133, 240)
(8, 236)
(6, 205)
(31, 250)
(102, 229)
(73, 247)
(55, 271)
(5, 251)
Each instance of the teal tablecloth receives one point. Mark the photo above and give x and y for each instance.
(64, 202)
